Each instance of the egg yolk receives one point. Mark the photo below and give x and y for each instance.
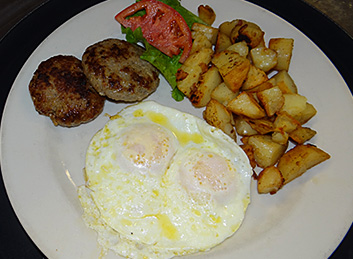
(210, 173)
(146, 148)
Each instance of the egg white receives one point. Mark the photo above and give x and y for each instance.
(161, 183)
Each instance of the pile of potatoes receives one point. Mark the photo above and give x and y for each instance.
(228, 72)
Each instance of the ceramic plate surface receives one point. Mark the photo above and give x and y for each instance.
(42, 164)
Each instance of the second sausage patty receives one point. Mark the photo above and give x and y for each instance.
(115, 69)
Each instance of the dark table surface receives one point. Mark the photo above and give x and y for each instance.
(18, 20)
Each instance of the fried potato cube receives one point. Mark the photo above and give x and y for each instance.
(306, 114)
(227, 27)
(248, 31)
(240, 47)
(250, 154)
(208, 81)
(262, 126)
(218, 116)
(285, 82)
(266, 151)
(270, 180)
(255, 77)
(209, 31)
(285, 123)
(284, 49)
(222, 43)
(246, 105)
(223, 94)
(299, 159)
(242, 127)
(294, 104)
(302, 134)
(207, 14)
(271, 99)
(189, 73)
(280, 137)
(200, 42)
(264, 58)
(232, 67)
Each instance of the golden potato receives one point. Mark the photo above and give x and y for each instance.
(242, 126)
(270, 180)
(305, 115)
(189, 73)
(218, 116)
(266, 151)
(294, 104)
(248, 31)
(232, 67)
(284, 49)
(223, 94)
(280, 137)
(271, 99)
(227, 27)
(222, 43)
(302, 134)
(254, 78)
(285, 82)
(299, 159)
(246, 105)
(262, 126)
(207, 14)
(263, 58)
(200, 42)
(285, 123)
(240, 47)
(250, 154)
(209, 31)
(201, 94)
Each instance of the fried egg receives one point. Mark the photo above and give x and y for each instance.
(162, 183)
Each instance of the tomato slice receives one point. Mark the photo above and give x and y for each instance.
(162, 27)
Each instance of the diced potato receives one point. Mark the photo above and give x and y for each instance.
(245, 104)
(250, 154)
(294, 104)
(254, 78)
(266, 151)
(240, 47)
(248, 31)
(207, 14)
(223, 94)
(306, 114)
(227, 27)
(222, 43)
(189, 73)
(242, 127)
(285, 82)
(299, 159)
(208, 31)
(262, 126)
(271, 99)
(208, 81)
(232, 67)
(200, 42)
(218, 116)
(280, 137)
(263, 58)
(302, 134)
(284, 49)
(285, 123)
(270, 180)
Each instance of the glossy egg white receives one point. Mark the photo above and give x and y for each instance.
(161, 183)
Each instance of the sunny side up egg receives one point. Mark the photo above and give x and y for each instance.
(161, 183)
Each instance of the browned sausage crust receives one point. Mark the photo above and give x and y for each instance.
(115, 69)
(60, 90)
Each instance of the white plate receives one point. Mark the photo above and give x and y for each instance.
(43, 164)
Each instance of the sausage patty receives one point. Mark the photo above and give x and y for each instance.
(60, 90)
(115, 69)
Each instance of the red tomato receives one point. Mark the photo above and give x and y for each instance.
(162, 27)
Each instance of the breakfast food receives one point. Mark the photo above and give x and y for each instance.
(246, 88)
(115, 70)
(60, 90)
(162, 183)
